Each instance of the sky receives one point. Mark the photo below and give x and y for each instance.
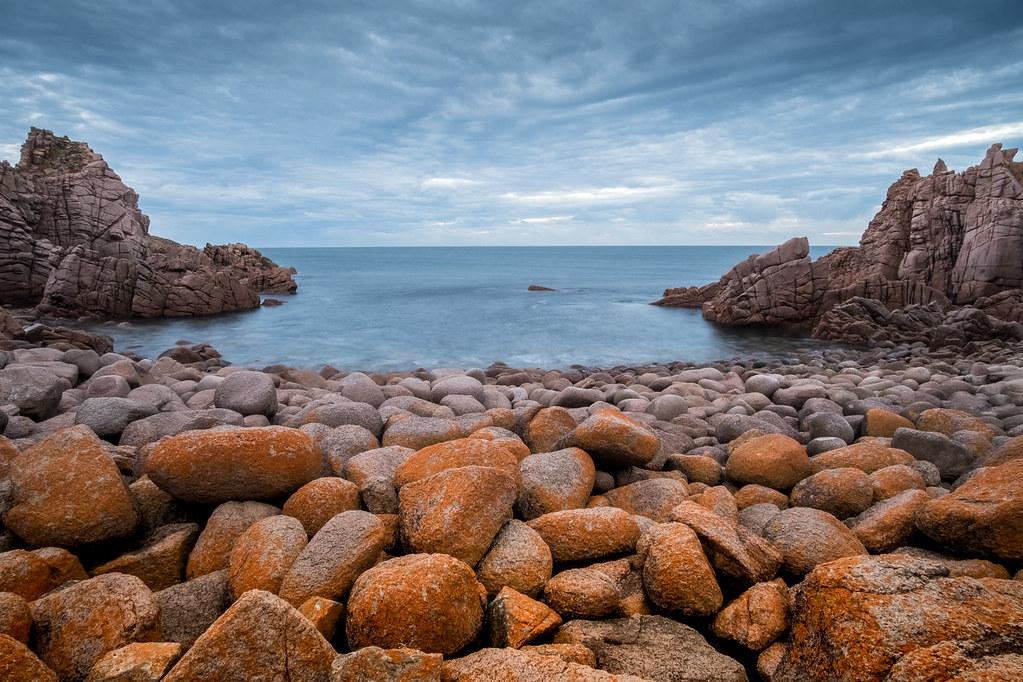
(435, 122)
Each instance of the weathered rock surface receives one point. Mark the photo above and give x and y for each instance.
(260, 637)
(74, 627)
(430, 602)
(73, 240)
(652, 648)
(947, 238)
(858, 617)
(243, 464)
(67, 491)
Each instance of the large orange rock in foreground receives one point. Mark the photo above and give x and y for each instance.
(774, 461)
(226, 524)
(260, 638)
(240, 464)
(457, 511)
(855, 618)
(984, 515)
(67, 491)
(614, 440)
(676, 573)
(547, 427)
(430, 602)
(74, 627)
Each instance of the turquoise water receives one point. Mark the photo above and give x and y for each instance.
(402, 308)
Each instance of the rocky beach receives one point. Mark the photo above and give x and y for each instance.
(847, 513)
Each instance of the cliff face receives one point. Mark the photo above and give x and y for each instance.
(73, 242)
(947, 239)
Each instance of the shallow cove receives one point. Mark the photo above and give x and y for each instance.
(399, 308)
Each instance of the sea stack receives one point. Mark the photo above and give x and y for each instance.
(73, 242)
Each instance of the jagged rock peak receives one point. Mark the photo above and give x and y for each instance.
(948, 238)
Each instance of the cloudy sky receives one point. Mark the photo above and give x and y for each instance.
(455, 123)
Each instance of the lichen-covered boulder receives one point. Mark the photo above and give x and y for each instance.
(430, 602)
(67, 491)
(242, 464)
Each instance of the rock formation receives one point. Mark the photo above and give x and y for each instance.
(943, 241)
(73, 242)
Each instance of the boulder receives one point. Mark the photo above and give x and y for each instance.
(320, 500)
(67, 491)
(109, 417)
(518, 558)
(809, 537)
(889, 523)
(15, 617)
(374, 663)
(676, 574)
(247, 464)
(983, 516)
(857, 617)
(614, 440)
(756, 617)
(19, 664)
(515, 619)
(735, 551)
(554, 481)
(510, 665)
(246, 393)
(457, 511)
(160, 563)
(189, 608)
(260, 637)
(264, 553)
(841, 492)
(138, 662)
(74, 627)
(576, 534)
(458, 453)
(774, 461)
(652, 648)
(212, 551)
(430, 602)
(34, 390)
(327, 567)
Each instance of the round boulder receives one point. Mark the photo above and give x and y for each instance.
(430, 602)
(246, 393)
(773, 460)
(241, 464)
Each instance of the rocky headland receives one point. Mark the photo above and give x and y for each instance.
(845, 514)
(941, 263)
(74, 243)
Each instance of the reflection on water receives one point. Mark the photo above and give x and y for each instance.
(398, 308)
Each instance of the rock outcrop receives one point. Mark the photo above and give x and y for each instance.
(74, 242)
(938, 243)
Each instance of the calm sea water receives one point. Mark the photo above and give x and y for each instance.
(402, 308)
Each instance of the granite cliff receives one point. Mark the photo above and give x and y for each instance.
(940, 244)
(74, 242)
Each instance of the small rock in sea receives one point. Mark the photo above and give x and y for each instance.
(538, 287)
(271, 302)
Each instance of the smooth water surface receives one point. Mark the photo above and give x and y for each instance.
(402, 308)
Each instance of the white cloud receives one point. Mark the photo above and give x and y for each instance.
(447, 183)
(10, 152)
(981, 135)
(594, 195)
(545, 219)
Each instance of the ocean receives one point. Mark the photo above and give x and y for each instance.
(403, 308)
